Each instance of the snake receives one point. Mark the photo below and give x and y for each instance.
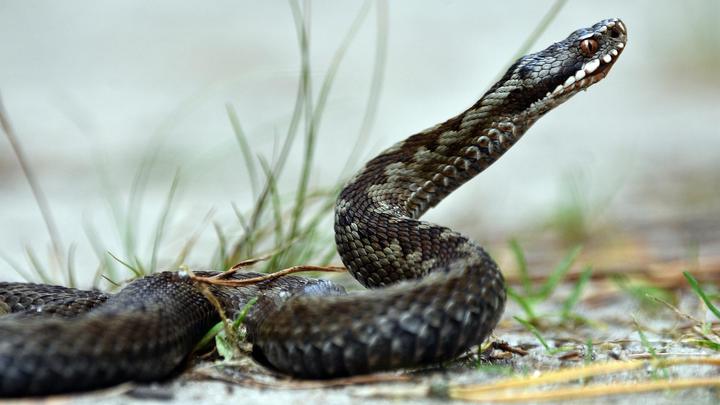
(432, 293)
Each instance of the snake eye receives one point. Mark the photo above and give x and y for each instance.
(588, 47)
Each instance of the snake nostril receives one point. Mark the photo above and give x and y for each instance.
(615, 32)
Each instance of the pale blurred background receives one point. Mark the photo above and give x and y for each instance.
(91, 84)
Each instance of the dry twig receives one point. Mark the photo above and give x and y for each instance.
(215, 280)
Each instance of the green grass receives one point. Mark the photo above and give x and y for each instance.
(292, 222)
(530, 296)
(225, 337)
(708, 336)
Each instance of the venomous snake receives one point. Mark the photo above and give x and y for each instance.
(441, 292)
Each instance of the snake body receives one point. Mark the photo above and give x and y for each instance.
(434, 293)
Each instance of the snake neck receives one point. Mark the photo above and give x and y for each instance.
(417, 173)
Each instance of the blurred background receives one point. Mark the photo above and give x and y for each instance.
(112, 101)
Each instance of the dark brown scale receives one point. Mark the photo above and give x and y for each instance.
(434, 293)
(30, 300)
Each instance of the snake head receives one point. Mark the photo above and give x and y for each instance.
(540, 81)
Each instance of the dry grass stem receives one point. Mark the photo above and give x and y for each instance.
(591, 391)
(250, 380)
(510, 390)
(241, 265)
(272, 276)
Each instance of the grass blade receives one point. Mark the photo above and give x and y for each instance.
(558, 273)
(134, 207)
(18, 269)
(376, 83)
(276, 204)
(302, 19)
(137, 272)
(192, 240)
(335, 63)
(532, 329)
(522, 266)
(106, 266)
(223, 259)
(244, 146)
(700, 293)
(536, 33)
(162, 222)
(577, 290)
(40, 271)
(523, 302)
(71, 266)
(37, 191)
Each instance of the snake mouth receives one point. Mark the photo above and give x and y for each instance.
(595, 69)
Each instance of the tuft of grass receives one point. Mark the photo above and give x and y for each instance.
(558, 274)
(273, 224)
(226, 340)
(530, 296)
(219, 334)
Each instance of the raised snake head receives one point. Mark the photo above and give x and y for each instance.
(540, 81)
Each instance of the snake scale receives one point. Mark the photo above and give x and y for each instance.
(433, 294)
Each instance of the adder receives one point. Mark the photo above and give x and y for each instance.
(433, 293)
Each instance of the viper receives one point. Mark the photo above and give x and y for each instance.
(433, 293)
